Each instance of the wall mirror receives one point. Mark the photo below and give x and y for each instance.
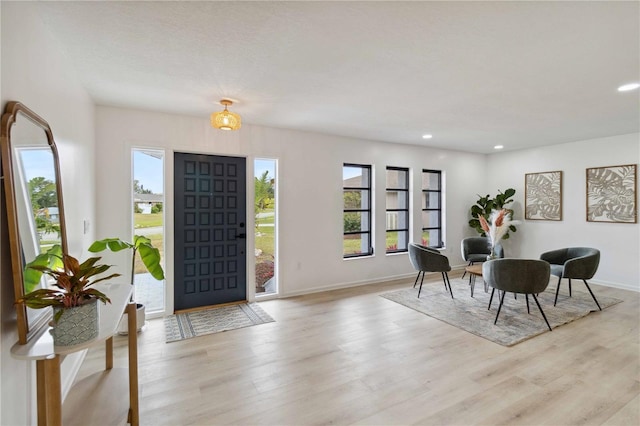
(33, 199)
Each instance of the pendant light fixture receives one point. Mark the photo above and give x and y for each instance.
(226, 120)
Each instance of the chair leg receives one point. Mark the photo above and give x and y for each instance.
(491, 298)
(416, 282)
(465, 271)
(500, 307)
(420, 289)
(526, 296)
(569, 287)
(445, 278)
(594, 297)
(557, 291)
(541, 311)
(472, 282)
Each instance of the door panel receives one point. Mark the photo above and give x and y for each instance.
(210, 232)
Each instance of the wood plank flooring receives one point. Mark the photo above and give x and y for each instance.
(350, 357)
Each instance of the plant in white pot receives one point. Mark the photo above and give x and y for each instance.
(150, 257)
(72, 296)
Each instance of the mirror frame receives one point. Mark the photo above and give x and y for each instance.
(13, 110)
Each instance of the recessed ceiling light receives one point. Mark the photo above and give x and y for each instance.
(627, 87)
(427, 136)
(498, 147)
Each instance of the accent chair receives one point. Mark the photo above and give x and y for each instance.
(524, 276)
(425, 259)
(476, 249)
(573, 263)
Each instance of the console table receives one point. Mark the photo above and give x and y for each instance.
(48, 358)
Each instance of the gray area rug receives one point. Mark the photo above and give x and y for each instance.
(214, 320)
(514, 324)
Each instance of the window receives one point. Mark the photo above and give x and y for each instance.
(397, 209)
(356, 183)
(432, 208)
(266, 232)
(148, 220)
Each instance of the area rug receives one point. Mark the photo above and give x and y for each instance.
(514, 324)
(214, 320)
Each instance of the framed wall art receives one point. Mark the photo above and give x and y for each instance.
(611, 194)
(543, 196)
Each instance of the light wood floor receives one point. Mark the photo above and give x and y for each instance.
(350, 357)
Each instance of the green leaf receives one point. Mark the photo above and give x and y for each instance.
(44, 262)
(150, 255)
(151, 258)
(114, 244)
(139, 240)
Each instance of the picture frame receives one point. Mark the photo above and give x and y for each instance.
(543, 196)
(612, 194)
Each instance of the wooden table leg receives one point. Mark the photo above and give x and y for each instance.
(134, 415)
(109, 354)
(40, 391)
(49, 391)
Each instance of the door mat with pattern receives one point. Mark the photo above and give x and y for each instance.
(214, 320)
(514, 324)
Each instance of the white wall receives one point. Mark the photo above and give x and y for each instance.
(310, 209)
(619, 243)
(310, 188)
(35, 72)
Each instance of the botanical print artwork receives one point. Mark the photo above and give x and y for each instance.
(543, 196)
(611, 194)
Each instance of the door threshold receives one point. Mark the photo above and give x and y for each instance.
(203, 308)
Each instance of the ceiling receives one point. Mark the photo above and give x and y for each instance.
(473, 74)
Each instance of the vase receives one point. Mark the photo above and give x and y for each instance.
(75, 325)
(492, 255)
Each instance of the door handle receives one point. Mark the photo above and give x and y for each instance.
(240, 236)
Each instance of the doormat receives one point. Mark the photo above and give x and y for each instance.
(214, 320)
(514, 324)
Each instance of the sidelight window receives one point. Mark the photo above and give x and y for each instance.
(148, 221)
(266, 231)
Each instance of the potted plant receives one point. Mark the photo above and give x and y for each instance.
(72, 295)
(150, 257)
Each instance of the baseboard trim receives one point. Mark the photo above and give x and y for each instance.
(388, 279)
(615, 285)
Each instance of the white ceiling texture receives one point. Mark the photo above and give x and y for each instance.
(473, 74)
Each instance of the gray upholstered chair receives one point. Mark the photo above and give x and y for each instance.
(524, 276)
(425, 259)
(476, 249)
(579, 263)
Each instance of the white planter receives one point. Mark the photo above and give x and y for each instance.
(123, 327)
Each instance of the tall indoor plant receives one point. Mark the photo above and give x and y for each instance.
(486, 205)
(150, 257)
